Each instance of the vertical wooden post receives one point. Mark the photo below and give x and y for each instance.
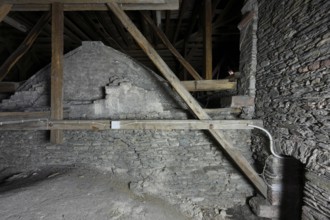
(208, 39)
(4, 10)
(56, 136)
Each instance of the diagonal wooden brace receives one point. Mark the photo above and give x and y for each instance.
(194, 106)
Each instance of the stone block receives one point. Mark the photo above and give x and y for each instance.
(237, 101)
(262, 208)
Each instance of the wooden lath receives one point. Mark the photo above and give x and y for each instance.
(194, 106)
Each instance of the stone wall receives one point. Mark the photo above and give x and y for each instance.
(293, 90)
(183, 167)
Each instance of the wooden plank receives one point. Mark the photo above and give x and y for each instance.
(24, 46)
(169, 45)
(4, 10)
(219, 136)
(45, 124)
(56, 136)
(209, 85)
(8, 87)
(208, 39)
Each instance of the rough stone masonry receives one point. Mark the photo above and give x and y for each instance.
(182, 167)
(293, 89)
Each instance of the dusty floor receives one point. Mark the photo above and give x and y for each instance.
(76, 194)
(85, 194)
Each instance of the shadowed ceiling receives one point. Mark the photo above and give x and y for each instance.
(183, 27)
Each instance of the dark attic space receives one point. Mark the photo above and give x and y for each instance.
(164, 109)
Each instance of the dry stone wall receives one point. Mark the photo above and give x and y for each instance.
(293, 90)
(183, 167)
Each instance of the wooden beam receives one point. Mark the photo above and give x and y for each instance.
(219, 136)
(169, 45)
(24, 47)
(4, 10)
(208, 39)
(247, 18)
(8, 87)
(73, 27)
(15, 24)
(184, 124)
(45, 124)
(5, 116)
(56, 136)
(209, 85)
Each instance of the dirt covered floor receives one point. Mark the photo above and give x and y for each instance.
(86, 194)
(77, 194)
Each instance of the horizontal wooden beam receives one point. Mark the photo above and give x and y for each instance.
(8, 87)
(222, 111)
(167, 5)
(45, 124)
(209, 85)
(247, 18)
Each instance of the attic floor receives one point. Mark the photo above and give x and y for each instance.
(76, 194)
(57, 193)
